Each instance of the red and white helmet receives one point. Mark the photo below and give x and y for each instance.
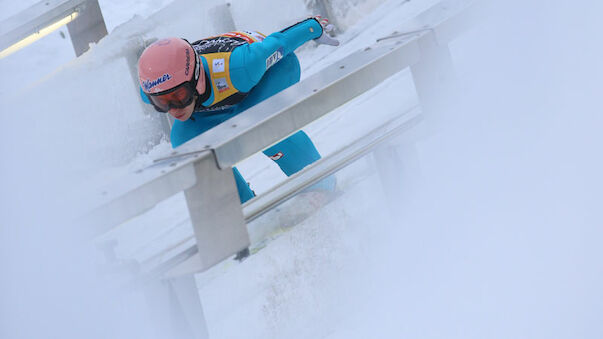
(168, 64)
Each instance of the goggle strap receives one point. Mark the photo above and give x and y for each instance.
(197, 63)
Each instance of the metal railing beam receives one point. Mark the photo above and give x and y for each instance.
(292, 109)
(88, 27)
(189, 261)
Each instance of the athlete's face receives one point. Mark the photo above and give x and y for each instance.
(185, 113)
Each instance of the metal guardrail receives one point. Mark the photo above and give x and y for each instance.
(182, 261)
(34, 18)
(89, 26)
(331, 164)
(256, 128)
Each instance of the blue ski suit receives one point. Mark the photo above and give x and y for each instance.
(242, 69)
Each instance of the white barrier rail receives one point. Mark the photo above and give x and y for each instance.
(187, 260)
(83, 18)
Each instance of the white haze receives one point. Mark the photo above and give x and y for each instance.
(501, 234)
(498, 235)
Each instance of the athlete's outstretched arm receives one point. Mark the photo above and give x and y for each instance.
(248, 63)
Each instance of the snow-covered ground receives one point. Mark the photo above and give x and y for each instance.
(498, 234)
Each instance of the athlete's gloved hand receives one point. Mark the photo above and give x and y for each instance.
(325, 38)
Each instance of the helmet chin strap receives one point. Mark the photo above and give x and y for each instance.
(198, 70)
(197, 65)
(197, 75)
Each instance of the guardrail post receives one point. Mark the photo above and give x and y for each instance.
(187, 308)
(389, 168)
(221, 18)
(216, 213)
(175, 308)
(398, 168)
(434, 77)
(88, 27)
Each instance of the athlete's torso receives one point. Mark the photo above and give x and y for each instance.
(217, 51)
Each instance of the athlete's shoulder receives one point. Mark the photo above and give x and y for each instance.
(227, 42)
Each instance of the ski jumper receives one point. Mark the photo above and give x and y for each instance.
(242, 69)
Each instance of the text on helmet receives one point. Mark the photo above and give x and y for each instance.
(148, 84)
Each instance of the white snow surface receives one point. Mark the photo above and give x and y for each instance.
(496, 235)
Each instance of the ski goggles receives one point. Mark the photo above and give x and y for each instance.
(177, 97)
